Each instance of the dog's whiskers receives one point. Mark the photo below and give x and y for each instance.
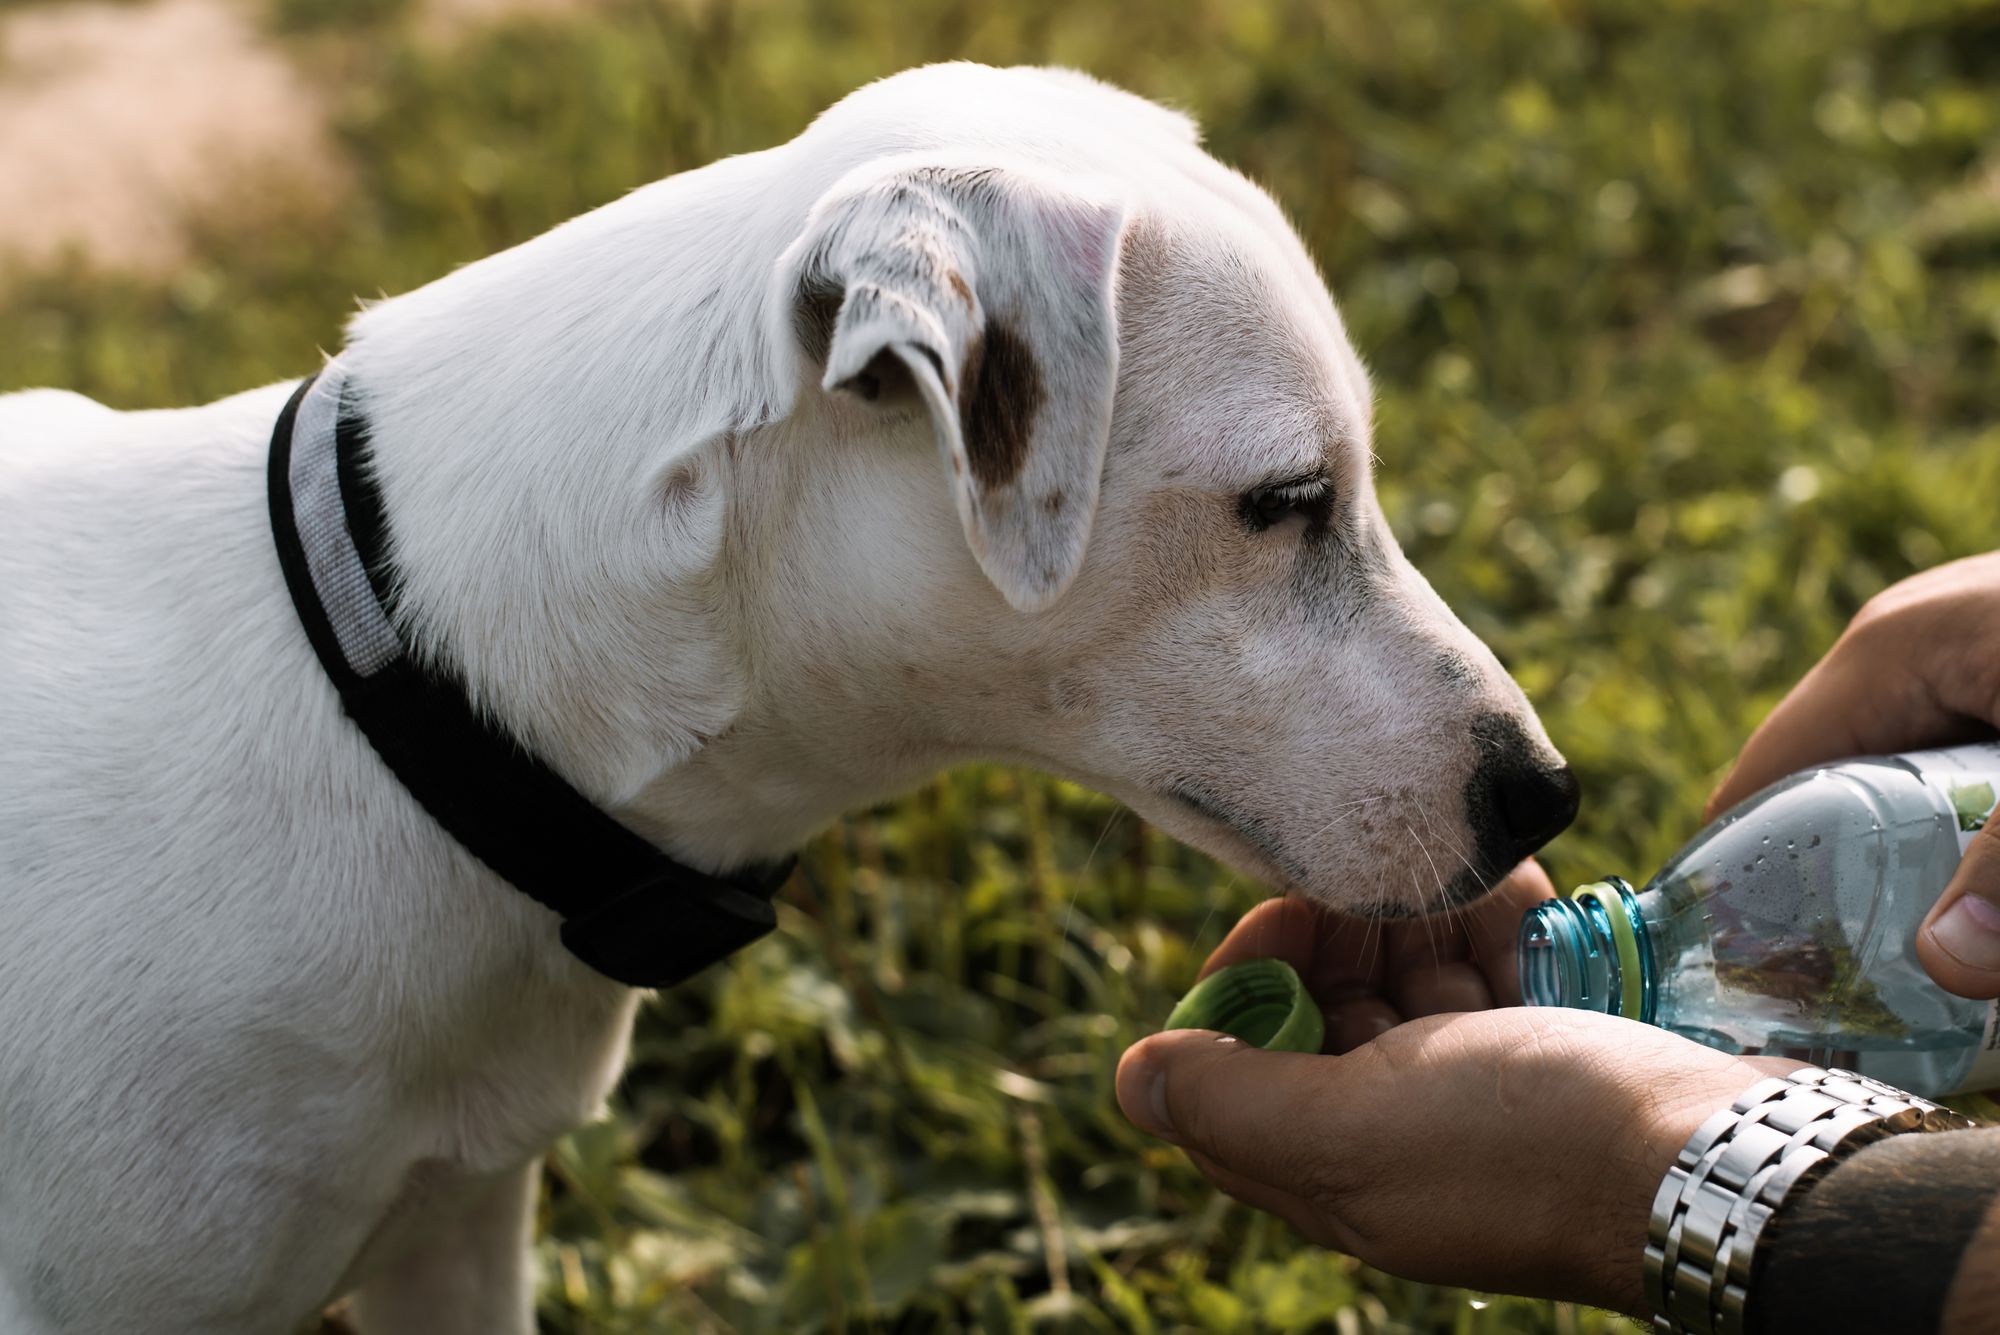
(1437, 880)
(1076, 882)
(1456, 914)
(1343, 810)
(1227, 886)
(1370, 938)
(1452, 845)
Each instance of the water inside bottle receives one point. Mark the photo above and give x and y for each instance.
(1790, 927)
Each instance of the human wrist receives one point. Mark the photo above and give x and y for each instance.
(1720, 1204)
(1640, 1139)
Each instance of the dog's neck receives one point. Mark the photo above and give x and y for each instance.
(595, 524)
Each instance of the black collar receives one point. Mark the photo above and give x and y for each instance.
(629, 911)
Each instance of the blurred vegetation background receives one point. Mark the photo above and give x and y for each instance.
(1683, 317)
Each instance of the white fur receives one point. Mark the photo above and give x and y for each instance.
(268, 1036)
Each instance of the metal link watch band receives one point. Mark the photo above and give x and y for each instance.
(1736, 1171)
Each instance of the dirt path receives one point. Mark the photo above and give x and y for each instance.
(123, 124)
(451, 17)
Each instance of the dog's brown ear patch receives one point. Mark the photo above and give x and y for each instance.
(990, 293)
(958, 285)
(1000, 391)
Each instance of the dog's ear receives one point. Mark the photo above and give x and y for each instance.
(986, 293)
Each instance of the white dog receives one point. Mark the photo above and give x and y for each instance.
(661, 496)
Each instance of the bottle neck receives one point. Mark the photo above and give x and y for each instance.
(1588, 952)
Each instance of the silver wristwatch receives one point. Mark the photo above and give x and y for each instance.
(1738, 1168)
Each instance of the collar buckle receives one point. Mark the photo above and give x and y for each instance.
(662, 930)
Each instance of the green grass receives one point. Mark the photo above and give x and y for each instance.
(1683, 318)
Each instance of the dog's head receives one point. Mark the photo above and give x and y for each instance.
(1155, 438)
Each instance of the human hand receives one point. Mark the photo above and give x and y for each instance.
(1515, 1149)
(1918, 667)
(1370, 976)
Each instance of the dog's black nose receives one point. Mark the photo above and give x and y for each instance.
(1536, 804)
(1519, 796)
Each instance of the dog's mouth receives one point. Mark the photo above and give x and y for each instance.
(1253, 835)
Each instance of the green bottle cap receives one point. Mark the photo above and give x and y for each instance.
(1259, 1001)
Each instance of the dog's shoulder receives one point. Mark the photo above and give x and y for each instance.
(53, 423)
(48, 416)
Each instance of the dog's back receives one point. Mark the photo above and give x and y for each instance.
(49, 417)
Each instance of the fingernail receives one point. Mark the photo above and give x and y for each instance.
(1969, 932)
(1156, 1105)
(1145, 1097)
(1142, 1093)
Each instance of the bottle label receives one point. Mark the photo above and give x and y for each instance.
(1985, 1072)
(1969, 778)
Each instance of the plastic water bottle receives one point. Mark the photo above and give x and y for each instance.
(1789, 926)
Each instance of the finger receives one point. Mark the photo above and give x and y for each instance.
(1465, 960)
(1450, 987)
(1494, 927)
(1842, 707)
(1959, 942)
(1429, 973)
(1351, 1023)
(1350, 960)
(1239, 1105)
(1919, 667)
(1285, 929)
(1341, 960)
(1427, 942)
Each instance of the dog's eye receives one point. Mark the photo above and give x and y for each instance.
(1274, 502)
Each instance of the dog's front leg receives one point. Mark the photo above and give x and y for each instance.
(470, 1277)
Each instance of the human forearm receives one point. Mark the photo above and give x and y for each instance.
(1895, 1238)
(1972, 1304)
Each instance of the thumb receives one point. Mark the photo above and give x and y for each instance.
(1225, 1099)
(1959, 942)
